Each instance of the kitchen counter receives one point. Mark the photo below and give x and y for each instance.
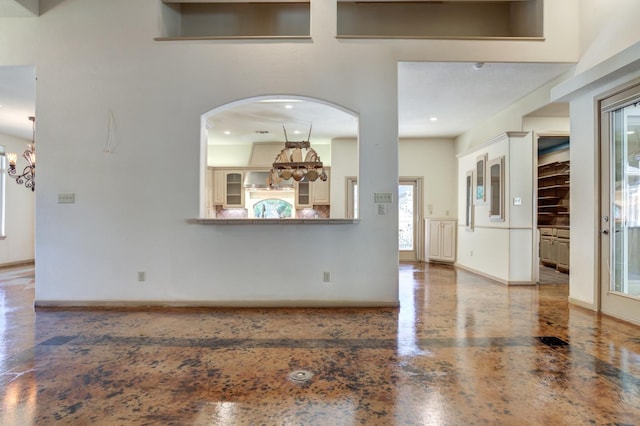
(210, 221)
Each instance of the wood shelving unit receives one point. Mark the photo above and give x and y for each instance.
(554, 214)
(553, 194)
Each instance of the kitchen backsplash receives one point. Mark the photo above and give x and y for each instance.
(317, 212)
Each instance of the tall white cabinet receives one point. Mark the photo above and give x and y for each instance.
(440, 240)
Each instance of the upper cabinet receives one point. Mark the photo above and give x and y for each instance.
(480, 19)
(188, 20)
(321, 190)
(232, 190)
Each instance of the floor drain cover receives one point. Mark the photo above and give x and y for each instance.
(300, 376)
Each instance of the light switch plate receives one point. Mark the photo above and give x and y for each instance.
(517, 201)
(69, 198)
(382, 198)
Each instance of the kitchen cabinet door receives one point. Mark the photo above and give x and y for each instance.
(562, 254)
(321, 191)
(218, 187)
(547, 250)
(440, 240)
(233, 190)
(303, 195)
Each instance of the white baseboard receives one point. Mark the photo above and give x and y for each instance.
(582, 304)
(494, 278)
(18, 263)
(141, 304)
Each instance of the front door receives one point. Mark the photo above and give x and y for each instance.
(620, 209)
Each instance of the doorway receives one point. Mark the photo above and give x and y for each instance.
(553, 208)
(620, 205)
(410, 233)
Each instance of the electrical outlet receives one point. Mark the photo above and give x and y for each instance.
(141, 276)
(326, 277)
(382, 209)
(66, 198)
(383, 197)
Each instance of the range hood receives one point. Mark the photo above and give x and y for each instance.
(257, 179)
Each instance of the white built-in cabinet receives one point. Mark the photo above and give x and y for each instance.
(440, 240)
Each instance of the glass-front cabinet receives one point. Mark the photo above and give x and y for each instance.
(303, 195)
(233, 191)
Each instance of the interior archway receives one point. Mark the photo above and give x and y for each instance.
(240, 141)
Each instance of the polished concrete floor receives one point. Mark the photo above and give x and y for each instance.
(461, 350)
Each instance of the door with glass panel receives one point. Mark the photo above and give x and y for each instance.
(409, 229)
(620, 209)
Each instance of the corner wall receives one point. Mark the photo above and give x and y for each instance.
(502, 250)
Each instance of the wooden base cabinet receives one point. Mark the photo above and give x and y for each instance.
(554, 248)
(440, 240)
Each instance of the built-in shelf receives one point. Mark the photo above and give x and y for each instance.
(490, 19)
(542, 188)
(215, 20)
(553, 191)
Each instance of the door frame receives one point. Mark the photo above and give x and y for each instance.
(610, 303)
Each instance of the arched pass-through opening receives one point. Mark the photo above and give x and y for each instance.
(241, 140)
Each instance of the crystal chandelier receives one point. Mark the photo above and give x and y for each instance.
(288, 163)
(28, 176)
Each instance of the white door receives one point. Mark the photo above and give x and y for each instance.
(620, 205)
(409, 218)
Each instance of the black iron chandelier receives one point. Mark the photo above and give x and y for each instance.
(28, 176)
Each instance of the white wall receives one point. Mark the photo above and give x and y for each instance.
(435, 161)
(18, 246)
(606, 28)
(132, 204)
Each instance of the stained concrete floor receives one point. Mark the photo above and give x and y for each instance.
(461, 350)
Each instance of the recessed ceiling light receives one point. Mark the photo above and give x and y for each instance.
(288, 106)
(630, 132)
(227, 132)
(297, 132)
(433, 118)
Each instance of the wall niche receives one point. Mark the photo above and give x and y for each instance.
(189, 20)
(517, 19)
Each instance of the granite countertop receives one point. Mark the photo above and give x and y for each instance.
(212, 221)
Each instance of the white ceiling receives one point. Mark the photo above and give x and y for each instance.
(456, 93)
(461, 94)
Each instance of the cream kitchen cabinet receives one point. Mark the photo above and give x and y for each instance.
(218, 187)
(304, 198)
(227, 188)
(440, 240)
(320, 191)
